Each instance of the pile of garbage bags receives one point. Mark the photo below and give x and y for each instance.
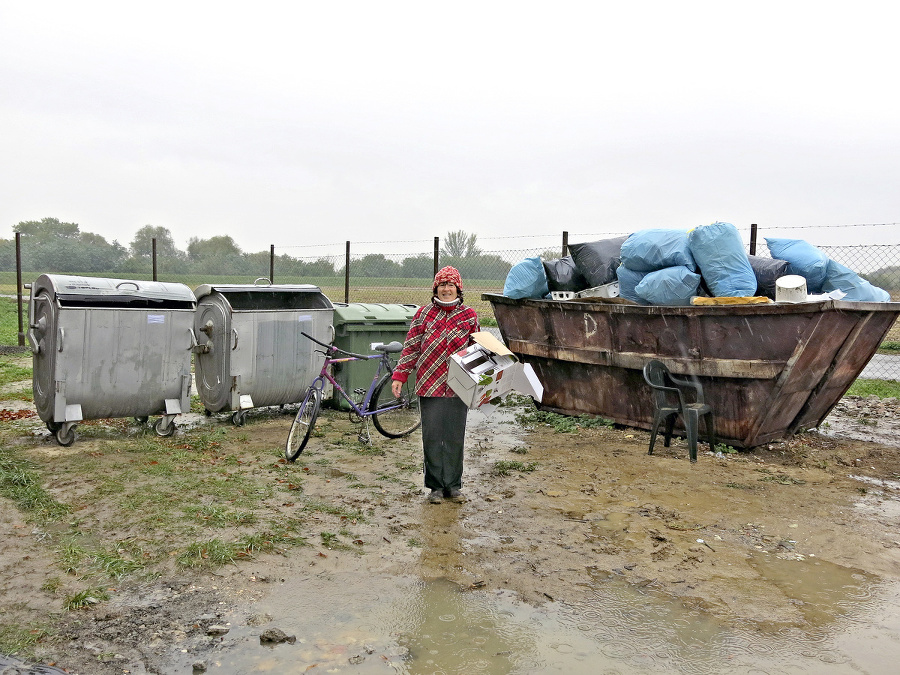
(669, 267)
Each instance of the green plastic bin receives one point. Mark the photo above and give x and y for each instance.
(356, 326)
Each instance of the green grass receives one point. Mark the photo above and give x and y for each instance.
(21, 483)
(879, 388)
(20, 640)
(9, 320)
(10, 371)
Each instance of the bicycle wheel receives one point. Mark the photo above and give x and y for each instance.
(303, 424)
(400, 421)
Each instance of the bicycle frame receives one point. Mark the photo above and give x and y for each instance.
(362, 409)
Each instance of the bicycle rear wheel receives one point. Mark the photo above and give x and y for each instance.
(401, 420)
(303, 424)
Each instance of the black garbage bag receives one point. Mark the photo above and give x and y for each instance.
(767, 271)
(597, 260)
(563, 275)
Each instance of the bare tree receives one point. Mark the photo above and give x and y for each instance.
(458, 244)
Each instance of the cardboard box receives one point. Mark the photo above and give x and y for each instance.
(485, 373)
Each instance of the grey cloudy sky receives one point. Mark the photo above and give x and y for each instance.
(300, 123)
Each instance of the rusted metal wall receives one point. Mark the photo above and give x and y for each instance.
(767, 370)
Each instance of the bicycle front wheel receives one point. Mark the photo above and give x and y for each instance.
(403, 416)
(303, 424)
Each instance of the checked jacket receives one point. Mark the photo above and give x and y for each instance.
(434, 334)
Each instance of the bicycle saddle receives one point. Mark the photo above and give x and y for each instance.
(391, 348)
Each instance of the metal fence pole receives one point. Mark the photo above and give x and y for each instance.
(437, 254)
(153, 255)
(753, 239)
(565, 246)
(272, 264)
(347, 274)
(19, 285)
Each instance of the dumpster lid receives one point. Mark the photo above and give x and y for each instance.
(365, 312)
(100, 292)
(269, 296)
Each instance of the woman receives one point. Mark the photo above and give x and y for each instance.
(438, 330)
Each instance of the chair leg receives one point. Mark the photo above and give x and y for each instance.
(670, 426)
(710, 432)
(657, 418)
(692, 421)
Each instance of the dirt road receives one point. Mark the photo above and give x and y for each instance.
(548, 511)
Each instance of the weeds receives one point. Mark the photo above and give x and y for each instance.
(17, 640)
(879, 388)
(561, 424)
(20, 483)
(506, 467)
(85, 598)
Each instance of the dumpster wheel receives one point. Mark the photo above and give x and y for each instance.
(65, 435)
(238, 417)
(164, 429)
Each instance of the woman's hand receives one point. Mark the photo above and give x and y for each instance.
(396, 386)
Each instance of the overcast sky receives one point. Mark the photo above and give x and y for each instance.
(301, 123)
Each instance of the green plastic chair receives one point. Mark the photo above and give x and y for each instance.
(669, 398)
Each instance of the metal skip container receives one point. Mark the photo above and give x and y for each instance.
(250, 352)
(109, 348)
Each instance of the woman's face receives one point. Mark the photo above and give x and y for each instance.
(447, 291)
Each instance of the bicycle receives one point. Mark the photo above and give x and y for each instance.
(393, 417)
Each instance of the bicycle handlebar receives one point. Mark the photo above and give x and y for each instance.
(332, 348)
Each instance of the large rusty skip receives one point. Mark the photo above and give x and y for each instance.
(768, 370)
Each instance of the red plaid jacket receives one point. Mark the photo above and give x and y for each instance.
(434, 334)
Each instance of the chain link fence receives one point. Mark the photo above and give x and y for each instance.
(374, 272)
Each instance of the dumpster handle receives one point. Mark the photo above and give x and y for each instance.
(333, 332)
(136, 287)
(193, 337)
(61, 333)
(234, 332)
(266, 279)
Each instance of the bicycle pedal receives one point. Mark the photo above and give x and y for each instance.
(359, 392)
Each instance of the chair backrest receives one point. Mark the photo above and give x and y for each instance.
(665, 392)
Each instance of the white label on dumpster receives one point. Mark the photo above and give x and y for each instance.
(304, 317)
(156, 318)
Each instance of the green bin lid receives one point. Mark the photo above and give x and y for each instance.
(365, 312)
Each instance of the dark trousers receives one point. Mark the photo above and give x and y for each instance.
(443, 435)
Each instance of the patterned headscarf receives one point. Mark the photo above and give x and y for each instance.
(450, 274)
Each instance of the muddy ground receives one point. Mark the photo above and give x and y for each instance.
(565, 507)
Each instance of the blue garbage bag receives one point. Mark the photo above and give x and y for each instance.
(720, 255)
(628, 281)
(857, 289)
(803, 259)
(669, 286)
(656, 249)
(526, 279)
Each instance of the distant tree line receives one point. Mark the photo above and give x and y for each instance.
(52, 246)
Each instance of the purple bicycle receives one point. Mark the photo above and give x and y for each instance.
(393, 417)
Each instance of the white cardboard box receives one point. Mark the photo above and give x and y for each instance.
(485, 373)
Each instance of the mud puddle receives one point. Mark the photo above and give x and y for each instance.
(388, 624)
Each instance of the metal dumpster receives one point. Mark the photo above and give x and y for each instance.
(356, 326)
(109, 348)
(250, 352)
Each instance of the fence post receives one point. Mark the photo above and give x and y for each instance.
(437, 254)
(153, 255)
(753, 239)
(272, 264)
(19, 285)
(347, 274)
(565, 246)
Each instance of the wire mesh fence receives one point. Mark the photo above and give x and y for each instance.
(371, 272)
